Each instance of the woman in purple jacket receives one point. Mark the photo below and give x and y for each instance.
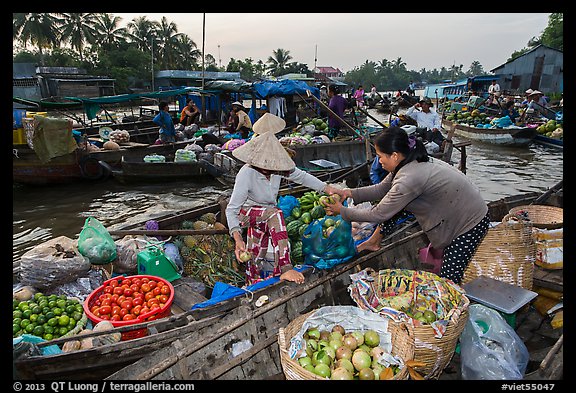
(447, 205)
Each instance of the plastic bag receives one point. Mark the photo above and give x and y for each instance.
(431, 256)
(127, 249)
(490, 349)
(95, 243)
(53, 263)
(287, 203)
(327, 242)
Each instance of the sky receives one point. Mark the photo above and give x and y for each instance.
(348, 40)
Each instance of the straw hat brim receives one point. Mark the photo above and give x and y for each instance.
(266, 152)
(269, 123)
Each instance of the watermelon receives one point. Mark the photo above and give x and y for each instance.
(317, 212)
(293, 228)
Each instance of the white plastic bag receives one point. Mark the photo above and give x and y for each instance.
(490, 349)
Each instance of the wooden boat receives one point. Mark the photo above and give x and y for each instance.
(548, 141)
(501, 136)
(236, 338)
(136, 169)
(335, 158)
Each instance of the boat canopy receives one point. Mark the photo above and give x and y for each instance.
(269, 88)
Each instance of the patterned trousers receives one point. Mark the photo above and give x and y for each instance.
(265, 225)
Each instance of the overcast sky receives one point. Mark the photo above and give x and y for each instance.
(347, 40)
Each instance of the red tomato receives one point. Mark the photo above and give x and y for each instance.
(115, 317)
(148, 296)
(105, 317)
(165, 290)
(106, 302)
(144, 310)
(162, 298)
(134, 288)
(128, 317)
(94, 308)
(118, 290)
(127, 282)
(108, 289)
(115, 310)
(145, 279)
(151, 302)
(156, 291)
(114, 298)
(105, 310)
(152, 284)
(136, 310)
(123, 312)
(127, 304)
(113, 283)
(128, 292)
(155, 306)
(145, 287)
(138, 301)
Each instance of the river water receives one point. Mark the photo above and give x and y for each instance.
(46, 212)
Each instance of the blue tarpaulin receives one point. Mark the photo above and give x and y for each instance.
(269, 88)
(224, 291)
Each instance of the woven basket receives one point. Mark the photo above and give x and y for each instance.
(435, 352)
(507, 253)
(542, 216)
(402, 345)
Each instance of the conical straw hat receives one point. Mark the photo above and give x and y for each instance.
(266, 152)
(269, 123)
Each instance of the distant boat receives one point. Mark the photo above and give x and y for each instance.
(547, 141)
(521, 136)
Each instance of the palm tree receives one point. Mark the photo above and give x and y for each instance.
(78, 29)
(108, 34)
(187, 53)
(398, 65)
(142, 32)
(278, 62)
(167, 33)
(40, 30)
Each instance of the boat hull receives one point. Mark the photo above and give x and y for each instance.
(547, 141)
(505, 137)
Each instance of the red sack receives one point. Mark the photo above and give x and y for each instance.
(431, 257)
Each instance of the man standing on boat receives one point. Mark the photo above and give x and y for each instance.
(427, 118)
(493, 94)
(167, 133)
(337, 104)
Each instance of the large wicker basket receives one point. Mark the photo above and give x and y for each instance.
(436, 352)
(402, 345)
(507, 253)
(542, 216)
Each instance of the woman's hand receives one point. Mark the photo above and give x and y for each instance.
(292, 275)
(240, 245)
(333, 209)
(344, 193)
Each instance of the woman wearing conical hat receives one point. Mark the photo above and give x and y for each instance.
(252, 205)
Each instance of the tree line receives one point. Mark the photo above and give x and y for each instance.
(97, 43)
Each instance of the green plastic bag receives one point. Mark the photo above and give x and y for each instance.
(95, 243)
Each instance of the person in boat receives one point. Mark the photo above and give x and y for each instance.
(167, 132)
(338, 105)
(493, 95)
(447, 205)
(244, 124)
(510, 111)
(359, 96)
(253, 203)
(429, 119)
(190, 113)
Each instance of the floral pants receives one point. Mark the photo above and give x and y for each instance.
(265, 225)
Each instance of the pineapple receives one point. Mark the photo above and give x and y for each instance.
(187, 224)
(209, 218)
(200, 225)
